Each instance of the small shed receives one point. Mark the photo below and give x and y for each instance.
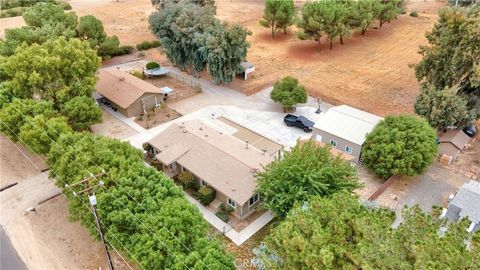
(247, 68)
(452, 143)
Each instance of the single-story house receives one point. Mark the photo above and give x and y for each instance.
(466, 204)
(452, 143)
(345, 128)
(215, 159)
(126, 93)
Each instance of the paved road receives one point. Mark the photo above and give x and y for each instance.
(9, 259)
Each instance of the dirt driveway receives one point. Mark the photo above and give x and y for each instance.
(429, 189)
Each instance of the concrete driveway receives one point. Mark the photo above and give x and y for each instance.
(427, 190)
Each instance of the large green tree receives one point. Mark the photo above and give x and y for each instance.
(340, 232)
(14, 114)
(452, 57)
(40, 132)
(57, 70)
(288, 92)
(180, 28)
(142, 210)
(278, 14)
(225, 49)
(307, 170)
(400, 145)
(443, 108)
(311, 21)
(82, 112)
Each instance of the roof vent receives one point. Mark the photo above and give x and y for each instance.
(233, 189)
(122, 78)
(200, 128)
(184, 131)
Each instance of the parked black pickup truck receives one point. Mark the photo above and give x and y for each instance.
(298, 121)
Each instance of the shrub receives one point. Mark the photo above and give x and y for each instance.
(222, 215)
(187, 180)
(122, 50)
(64, 5)
(206, 195)
(138, 73)
(414, 14)
(152, 65)
(148, 45)
(226, 208)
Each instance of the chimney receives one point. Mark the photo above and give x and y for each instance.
(246, 144)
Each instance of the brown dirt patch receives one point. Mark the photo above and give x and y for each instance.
(72, 245)
(157, 117)
(112, 127)
(370, 72)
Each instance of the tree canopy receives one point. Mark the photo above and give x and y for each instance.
(57, 70)
(46, 21)
(451, 60)
(14, 114)
(278, 14)
(193, 39)
(82, 112)
(142, 210)
(400, 145)
(40, 132)
(443, 108)
(305, 171)
(335, 19)
(288, 92)
(339, 232)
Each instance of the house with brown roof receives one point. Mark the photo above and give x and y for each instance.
(126, 93)
(220, 161)
(452, 143)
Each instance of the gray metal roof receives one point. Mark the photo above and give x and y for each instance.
(467, 200)
(348, 123)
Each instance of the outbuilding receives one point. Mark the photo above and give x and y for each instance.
(452, 143)
(247, 68)
(345, 128)
(126, 93)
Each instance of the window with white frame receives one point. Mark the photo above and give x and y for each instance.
(253, 200)
(348, 149)
(232, 203)
(333, 143)
(205, 184)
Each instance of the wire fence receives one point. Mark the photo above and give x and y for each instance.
(185, 79)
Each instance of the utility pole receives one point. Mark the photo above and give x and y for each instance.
(93, 202)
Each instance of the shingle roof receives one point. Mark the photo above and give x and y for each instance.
(455, 137)
(348, 123)
(221, 160)
(121, 87)
(468, 200)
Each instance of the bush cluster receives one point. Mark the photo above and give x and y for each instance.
(206, 195)
(148, 45)
(16, 8)
(152, 65)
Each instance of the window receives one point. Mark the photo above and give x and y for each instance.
(253, 200)
(205, 184)
(232, 203)
(333, 143)
(348, 149)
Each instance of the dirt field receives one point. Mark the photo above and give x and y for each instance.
(370, 72)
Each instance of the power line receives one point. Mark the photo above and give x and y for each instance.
(59, 178)
(93, 202)
(121, 202)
